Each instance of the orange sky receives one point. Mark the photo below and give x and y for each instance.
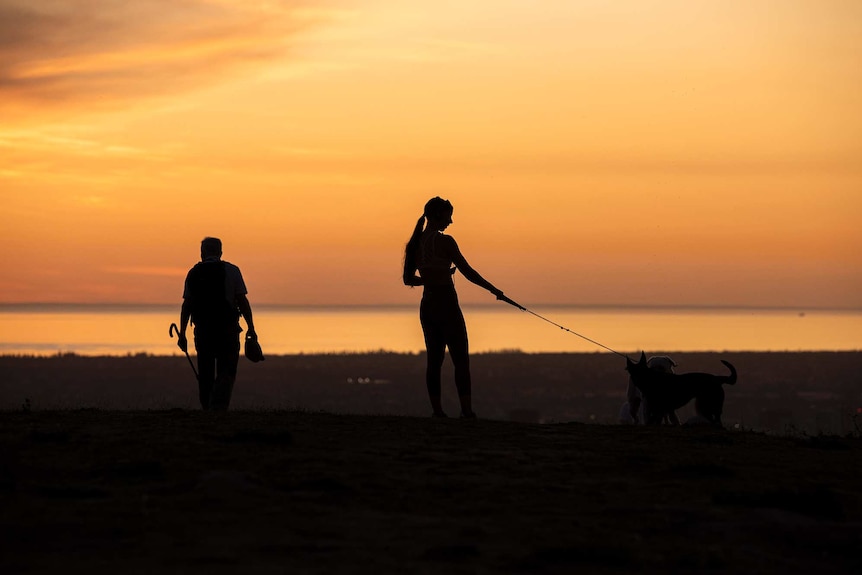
(627, 152)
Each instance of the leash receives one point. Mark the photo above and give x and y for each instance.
(522, 308)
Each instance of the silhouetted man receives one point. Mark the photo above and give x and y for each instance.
(214, 297)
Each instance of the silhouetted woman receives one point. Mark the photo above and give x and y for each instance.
(433, 254)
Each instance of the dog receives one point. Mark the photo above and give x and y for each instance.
(634, 410)
(667, 392)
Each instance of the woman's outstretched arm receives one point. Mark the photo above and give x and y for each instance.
(465, 268)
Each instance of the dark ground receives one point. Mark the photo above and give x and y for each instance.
(181, 491)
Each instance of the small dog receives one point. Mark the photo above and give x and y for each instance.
(635, 409)
(667, 392)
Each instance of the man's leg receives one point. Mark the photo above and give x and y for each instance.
(226, 366)
(206, 372)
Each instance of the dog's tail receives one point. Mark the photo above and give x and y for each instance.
(731, 379)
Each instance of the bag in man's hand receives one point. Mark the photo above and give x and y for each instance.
(252, 348)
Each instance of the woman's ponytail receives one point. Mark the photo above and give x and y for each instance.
(410, 252)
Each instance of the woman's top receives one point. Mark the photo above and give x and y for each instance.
(434, 265)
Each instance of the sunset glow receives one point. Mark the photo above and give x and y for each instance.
(636, 152)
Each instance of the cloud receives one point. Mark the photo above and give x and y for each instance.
(148, 271)
(12, 141)
(98, 53)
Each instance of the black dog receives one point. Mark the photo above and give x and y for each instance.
(669, 391)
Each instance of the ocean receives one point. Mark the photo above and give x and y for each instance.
(119, 330)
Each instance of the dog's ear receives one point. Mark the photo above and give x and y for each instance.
(642, 359)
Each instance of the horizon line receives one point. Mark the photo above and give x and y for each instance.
(11, 306)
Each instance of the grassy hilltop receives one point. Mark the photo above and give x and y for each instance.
(182, 491)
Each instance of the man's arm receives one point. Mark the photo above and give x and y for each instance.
(245, 309)
(185, 315)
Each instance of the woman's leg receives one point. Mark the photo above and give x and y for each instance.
(435, 346)
(459, 350)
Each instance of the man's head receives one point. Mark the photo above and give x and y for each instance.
(210, 248)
